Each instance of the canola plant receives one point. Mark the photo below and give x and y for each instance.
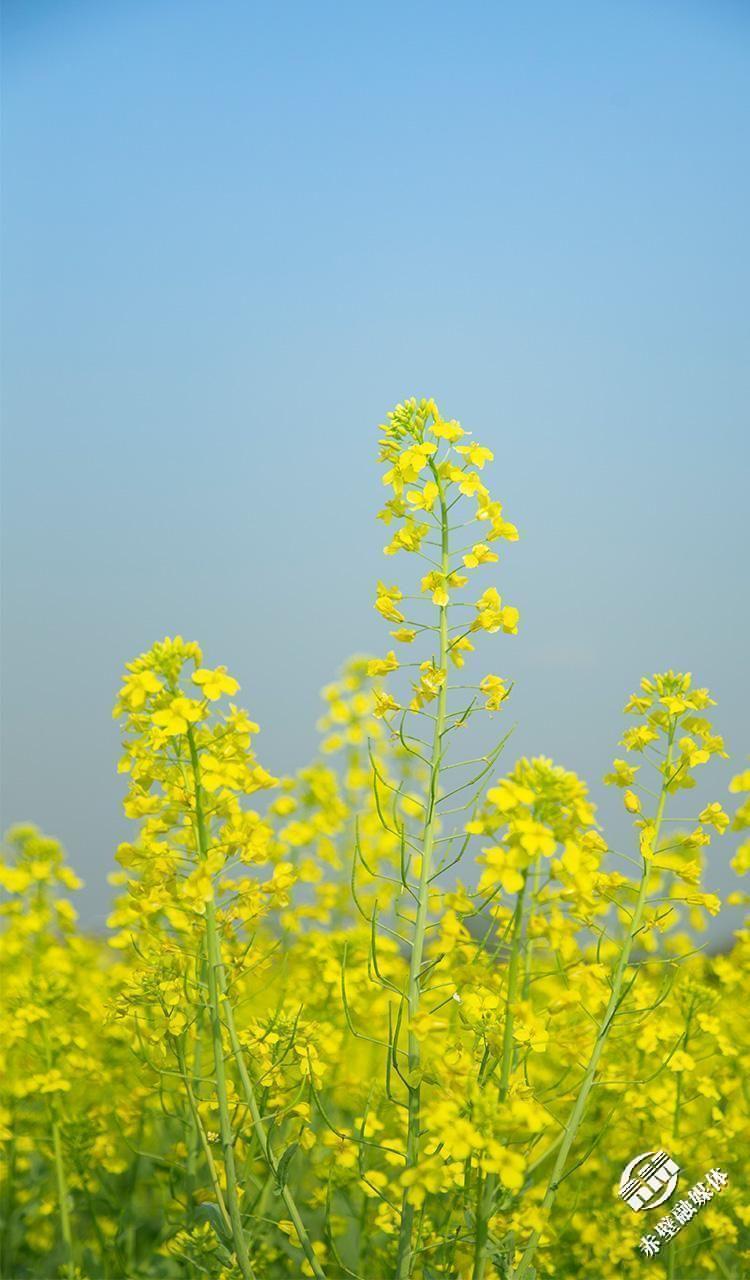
(403, 1015)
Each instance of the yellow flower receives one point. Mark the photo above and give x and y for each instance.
(217, 773)
(500, 871)
(215, 683)
(479, 554)
(384, 602)
(384, 703)
(496, 692)
(492, 512)
(529, 1029)
(137, 688)
(458, 648)
(638, 739)
(424, 498)
(382, 666)
(675, 705)
(469, 483)
(622, 775)
(175, 718)
(493, 615)
(52, 1081)
(475, 454)
(176, 1022)
(692, 753)
(681, 1061)
(510, 1167)
(714, 816)
(408, 538)
(408, 465)
(450, 431)
(533, 836)
(198, 889)
(423, 1179)
(431, 681)
(646, 840)
(436, 583)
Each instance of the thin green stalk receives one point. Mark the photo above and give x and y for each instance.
(6, 1241)
(194, 1134)
(60, 1178)
(225, 1124)
(214, 966)
(528, 928)
(361, 1231)
(262, 1136)
(202, 1138)
(62, 1197)
(487, 1187)
(219, 999)
(103, 1248)
(672, 1248)
(579, 1108)
(129, 1232)
(405, 1256)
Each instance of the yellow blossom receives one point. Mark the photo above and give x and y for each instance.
(215, 683)
(480, 554)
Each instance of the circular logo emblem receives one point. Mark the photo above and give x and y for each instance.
(648, 1180)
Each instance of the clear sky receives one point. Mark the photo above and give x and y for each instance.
(235, 234)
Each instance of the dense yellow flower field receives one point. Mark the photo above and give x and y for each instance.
(403, 1014)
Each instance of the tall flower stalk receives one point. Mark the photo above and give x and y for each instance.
(414, 990)
(216, 981)
(61, 1183)
(432, 469)
(189, 770)
(487, 1184)
(665, 704)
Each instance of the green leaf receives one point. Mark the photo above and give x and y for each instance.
(283, 1166)
(209, 1211)
(501, 1255)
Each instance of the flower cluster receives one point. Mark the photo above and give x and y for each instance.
(404, 1013)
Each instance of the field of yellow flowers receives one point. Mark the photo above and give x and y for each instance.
(403, 1015)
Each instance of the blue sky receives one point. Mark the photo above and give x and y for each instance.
(236, 234)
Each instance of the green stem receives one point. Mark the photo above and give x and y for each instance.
(62, 1198)
(194, 1137)
(6, 1241)
(225, 1124)
(202, 1138)
(214, 967)
(485, 1200)
(528, 928)
(405, 1256)
(672, 1249)
(219, 999)
(128, 1229)
(60, 1178)
(103, 1248)
(260, 1130)
(579, 1108)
